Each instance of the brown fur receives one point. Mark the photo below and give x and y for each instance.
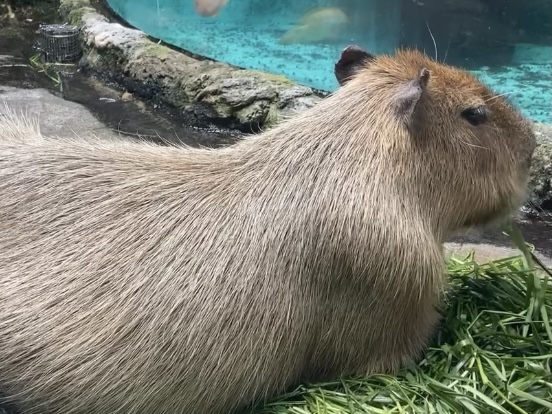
(137, 278)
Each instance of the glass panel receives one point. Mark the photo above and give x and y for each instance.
(508, 43)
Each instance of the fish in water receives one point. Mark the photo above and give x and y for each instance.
(209, 8)
(318, 25)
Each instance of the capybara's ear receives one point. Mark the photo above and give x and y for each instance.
(409, 94)
(352, 59)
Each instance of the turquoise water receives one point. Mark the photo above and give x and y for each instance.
(246, 34)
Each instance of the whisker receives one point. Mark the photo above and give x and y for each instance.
(499, 95)
(475, 146)
(469, 144)
(434, 42)
(446, 51)
(475, 138)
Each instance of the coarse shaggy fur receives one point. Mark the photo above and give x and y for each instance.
(137, 278)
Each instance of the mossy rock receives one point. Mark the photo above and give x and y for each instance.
(540, 183)
(273, 77)
(155, 71)
(73, 10)
(157, 50)
(22, 3)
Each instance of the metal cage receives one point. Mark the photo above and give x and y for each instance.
(59, 43)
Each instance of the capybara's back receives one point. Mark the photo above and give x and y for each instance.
(137, 278)
(129, 282)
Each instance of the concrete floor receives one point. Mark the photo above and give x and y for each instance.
(57, 116)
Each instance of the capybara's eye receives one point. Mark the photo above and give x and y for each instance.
(475, 116)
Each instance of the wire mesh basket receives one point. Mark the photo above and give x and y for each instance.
(59, 43)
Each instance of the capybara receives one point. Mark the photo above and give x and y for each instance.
(139, 278)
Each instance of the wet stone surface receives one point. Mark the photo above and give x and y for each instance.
(114, 108)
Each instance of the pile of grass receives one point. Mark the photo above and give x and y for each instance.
(492, 354)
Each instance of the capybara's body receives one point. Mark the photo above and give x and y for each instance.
(137, 278)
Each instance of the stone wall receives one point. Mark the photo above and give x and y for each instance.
(206, 92)
(541, 169)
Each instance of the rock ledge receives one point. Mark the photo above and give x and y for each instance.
(207, 92)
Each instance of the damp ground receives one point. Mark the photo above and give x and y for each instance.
(115, 108)
(75, 103)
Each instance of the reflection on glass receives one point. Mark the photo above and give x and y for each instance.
(508, 43)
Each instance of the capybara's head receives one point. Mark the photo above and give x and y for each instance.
(463, 151)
